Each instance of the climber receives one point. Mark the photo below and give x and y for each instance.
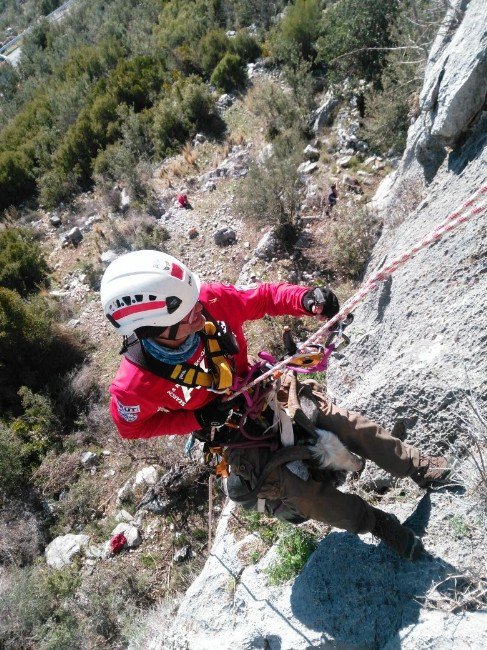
(183, 202)
(331, 199)
(183, 342)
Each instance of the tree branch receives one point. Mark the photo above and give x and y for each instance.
(386, 49)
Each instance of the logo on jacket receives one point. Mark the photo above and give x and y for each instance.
(128, 413)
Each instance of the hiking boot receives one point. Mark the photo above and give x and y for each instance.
(432, 470)
(399, 538)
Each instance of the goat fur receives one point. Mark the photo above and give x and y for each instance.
(331, 453)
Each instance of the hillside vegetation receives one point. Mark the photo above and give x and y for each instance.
(128, 95)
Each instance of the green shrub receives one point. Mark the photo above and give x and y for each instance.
(270, 192)
(23, 267)
(136, 81)
(257, 12)
(37, 428)
(293, 549)
(138, 233)
(34, 351)
(351, 35)
(12, 470)
(352, 235)
(212, 48)
(245, 46)
(16, 178)
(282, 111)
(387, 120)
(37, 609)
(230, 73)
(79, 506)
(57, 185)
(57, 472)
(187, 108)
(113, 597)
(297, 31)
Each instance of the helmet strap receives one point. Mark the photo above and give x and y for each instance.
(172, 334)
(126, 343)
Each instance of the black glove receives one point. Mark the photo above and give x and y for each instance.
(216, 413)
(321, 296)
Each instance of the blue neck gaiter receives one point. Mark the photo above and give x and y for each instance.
(169, 355)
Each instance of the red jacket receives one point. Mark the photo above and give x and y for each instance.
(144, 405)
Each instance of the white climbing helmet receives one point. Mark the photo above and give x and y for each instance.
(147, 289)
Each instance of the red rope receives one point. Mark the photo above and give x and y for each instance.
(453, 220)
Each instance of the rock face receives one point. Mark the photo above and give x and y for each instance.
(415, 356)
(453, 94)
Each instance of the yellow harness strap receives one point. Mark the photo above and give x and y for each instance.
(222, 370)
(219, 376)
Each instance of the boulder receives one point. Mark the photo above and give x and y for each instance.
(124, 516)
(224, 101)
(126, 492)
(225, 236)
(324, 114)
(55, 220)
(184, 553)
(124, 200)
(108, 257)
(146, 476)
(74, 237)
(193, 233)
(89, 459)
(265, 153)
(344, 161)
(307, 167)
(311, 153)
(266, 247)
(130, 532)
(95, 218)
(61, 551)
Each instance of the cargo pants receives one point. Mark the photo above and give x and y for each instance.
(321, 500)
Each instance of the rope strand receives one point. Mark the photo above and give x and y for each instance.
(453, 220)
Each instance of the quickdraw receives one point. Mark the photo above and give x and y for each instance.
(216, 458)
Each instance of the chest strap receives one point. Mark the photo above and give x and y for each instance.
(218, 377)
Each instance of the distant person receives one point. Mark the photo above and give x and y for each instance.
(183, 202)
(331, 199)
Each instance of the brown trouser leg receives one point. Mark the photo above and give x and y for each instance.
(323, 502)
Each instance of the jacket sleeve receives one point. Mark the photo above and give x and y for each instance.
(178, 422)
(266, 299)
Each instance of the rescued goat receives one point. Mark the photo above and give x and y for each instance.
(328, 450)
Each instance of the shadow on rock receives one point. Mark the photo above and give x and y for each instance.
(362, 595)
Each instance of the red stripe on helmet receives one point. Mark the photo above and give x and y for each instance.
(177, 271)
(134, 309)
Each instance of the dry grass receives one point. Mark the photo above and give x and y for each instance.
(408, 196)
(465, 591)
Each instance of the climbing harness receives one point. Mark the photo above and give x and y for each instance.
(453, 220)
(218, 346)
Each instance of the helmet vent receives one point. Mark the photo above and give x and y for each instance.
(172, 303)
(151, 297)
